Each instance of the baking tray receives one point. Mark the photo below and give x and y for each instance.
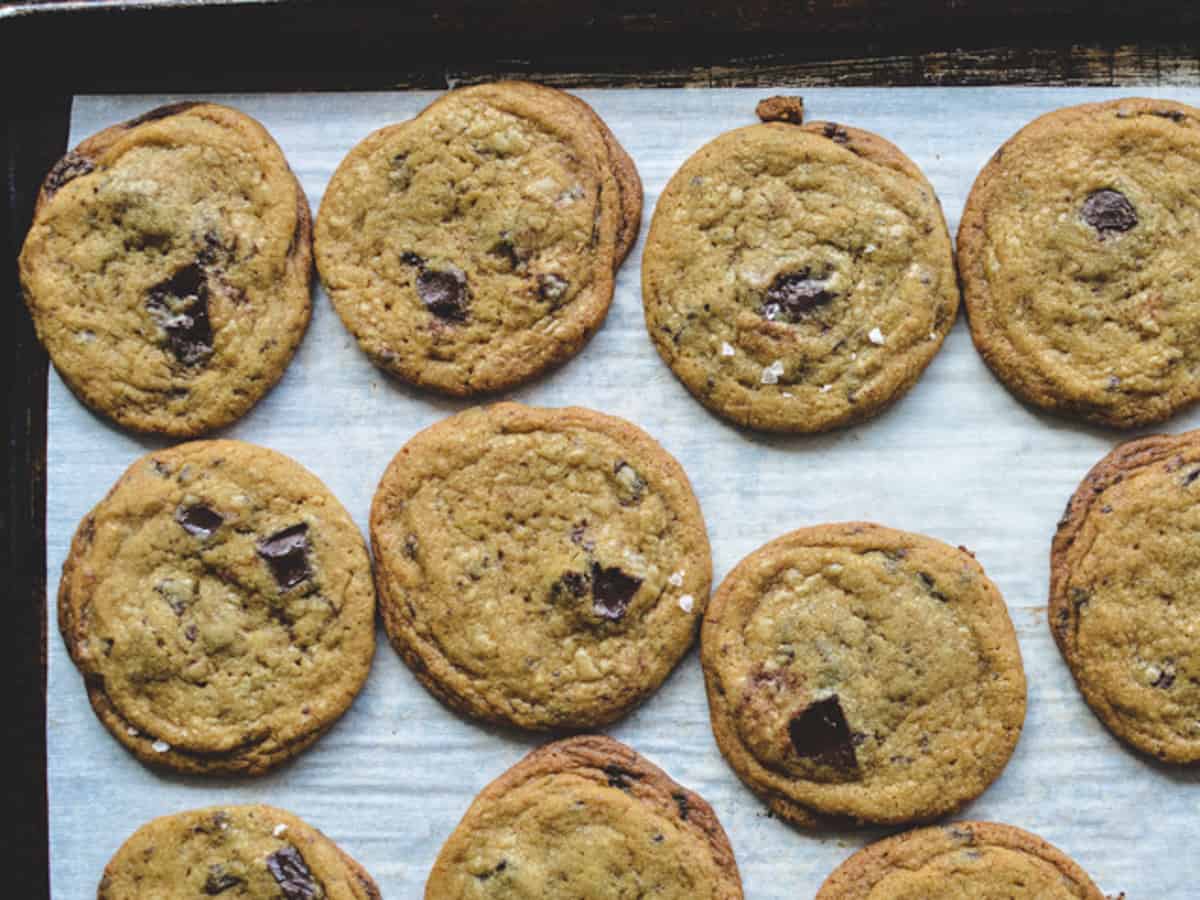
(106, 46)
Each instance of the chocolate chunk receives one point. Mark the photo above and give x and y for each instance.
(286, 552)
(70, 166)
(445, 294)
(499, 867)
(1191, 476)
(1173, 114)
(793, 295)
(1109, 212)
(411, 546)
(1166, 676)
(411, 259)
(820, 732)
(836, 133)
(292, 875)
(612, 591)
(180, 306)
(552, 288)
(931, 586)
(199, 520)
(219, 881)
(681, 802)
(619, 777)
(505, 249)
(631, 487)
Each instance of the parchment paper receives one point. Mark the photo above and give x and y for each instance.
(957, 459)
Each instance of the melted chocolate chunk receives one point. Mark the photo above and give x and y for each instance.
(612, 591)
(552, 288)
(820, 732)
(836, 133)
(793, 295)
(199, 520)
(70, 166)
(286, 552)
(445, 294)
(292, 875)
(180, 306)
(219, 881)
(1109, 212)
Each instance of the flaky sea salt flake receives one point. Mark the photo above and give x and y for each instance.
(876, 336)
(687, 603)
(770, 375)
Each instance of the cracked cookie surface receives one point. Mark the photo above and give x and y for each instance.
(541, 567)
(168, 267)
(798, 277)
(254, 852)
(586, 818)
(220, 606)
(1078, 255)
(473, 247)
(966, 861)
(1125, 593)
(861, 673)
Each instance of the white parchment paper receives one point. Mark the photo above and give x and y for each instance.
(957, 459)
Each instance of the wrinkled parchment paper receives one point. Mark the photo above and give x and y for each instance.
(957, 459)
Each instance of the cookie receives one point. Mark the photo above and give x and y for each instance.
(1079, 262)
(253, 851)
(544, 568)
(220, 606)
(798, 277)
(967, 860)
(861, 674)
(1125, 593)
(474, 247)
(168, 268)
(584, 818)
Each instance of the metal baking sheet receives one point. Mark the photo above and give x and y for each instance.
(957, 459)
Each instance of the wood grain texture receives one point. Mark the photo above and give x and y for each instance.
(105, 46)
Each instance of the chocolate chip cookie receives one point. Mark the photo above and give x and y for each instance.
(862, 673)
(254, 852)
(966, 859)
(220, 607)
(473, 247)
(167, 269)
(586, 818)
(798, 277)
(541, 567)
(1125, 593)
(1078, 258)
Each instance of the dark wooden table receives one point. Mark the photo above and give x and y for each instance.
(51, 51)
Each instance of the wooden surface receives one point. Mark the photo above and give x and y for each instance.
(111, 47)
